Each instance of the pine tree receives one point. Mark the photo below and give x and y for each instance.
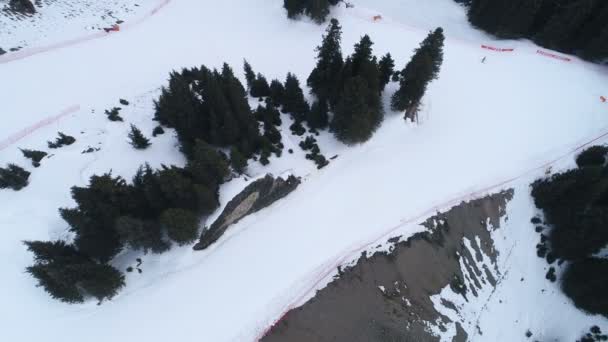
(249, 74)
(207, 166)
(22, 6)
(138, 140)
(294, 102)
(114, 114)
(34, 156)
(277, 92)
(318, 117)
(260, 87)
(317, 10)
(324, 78)
(237, 161)
(158, 130)
(423, 68)
(354, 119)
(61, 140)
(294, 7)
(13, 177)
(387, 68)
(141, 235)
(181, 225)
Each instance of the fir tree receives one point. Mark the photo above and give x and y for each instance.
(141, 235)
(181, 225)
(318, 116)
(260, 87)
(237, 161)
(61, 140)
(423, 68)
(277, 92)
(207, 166)
(34, 156)
(114, 114)
(294, 102)
(138, 140)
(13, 177)
(158, 130)
(324, 78)
(354, 119)
(249, 74)
(387, 68)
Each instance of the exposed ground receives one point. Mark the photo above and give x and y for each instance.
(386, 297)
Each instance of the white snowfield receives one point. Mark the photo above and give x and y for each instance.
(481, 124)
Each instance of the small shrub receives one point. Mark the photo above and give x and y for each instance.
(593, 156)
(34, 156)
(158, 130)
(138, 140)
(61, 140)
(181, 225)
(123, 102)
(114, 114)
(13, 177)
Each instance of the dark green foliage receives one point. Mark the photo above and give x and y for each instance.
(387, 68)
(207, 105)
(13, 177)
(68, 275)
(61, 140)
(158, 130)
(293, 100)
(575, 205)
(141, 235)
(318, 117)
(571, 26)
(138, 140)
(325, 77)
(354, 119)
(277, 92)
(297, 128)
(315, 9)
(207, 166)
(237, 161)
(585, 282)
(181, 225)
(260, 87)
(22, 6)
(123, 102)
(593, 156)
(594, 335)
(249, 74)
(34, 156)
(114, 114)
(422, 68)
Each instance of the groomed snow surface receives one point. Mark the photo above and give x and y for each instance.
(480, 124)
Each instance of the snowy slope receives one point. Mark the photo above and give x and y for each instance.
(481, 124)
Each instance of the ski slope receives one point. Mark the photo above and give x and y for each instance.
(481, 124)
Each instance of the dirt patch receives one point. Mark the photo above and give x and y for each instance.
(386, 297)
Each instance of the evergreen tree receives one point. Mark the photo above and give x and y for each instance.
(585, 282)
(61, 140)
(324, 78)
(13, 177)
(22, 6)
(207, 166)
(249, 74)
(354, 119)
(423, 68)
(294, 7)
(237, 161)
(277, 92)
(294, 102)
(138, 140)
(317, 10)
(34, 156)
(387, 68)
(318, 116)
(114, 114)
(141, 235)
(158, 130)
(260, 87)
(181, 225)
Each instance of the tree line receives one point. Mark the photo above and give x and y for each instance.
(571, 26)
(318, 10)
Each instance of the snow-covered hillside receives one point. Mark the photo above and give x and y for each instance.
(481, 124)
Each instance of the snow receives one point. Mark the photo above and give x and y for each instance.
(481, 124)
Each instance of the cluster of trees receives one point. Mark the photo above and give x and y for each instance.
(13, 177)
(571, 26)
(316, 9)
(22, 6)
(418, 73)
(61, 140)
(350, 87)
(575, 204)
(112, 215)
